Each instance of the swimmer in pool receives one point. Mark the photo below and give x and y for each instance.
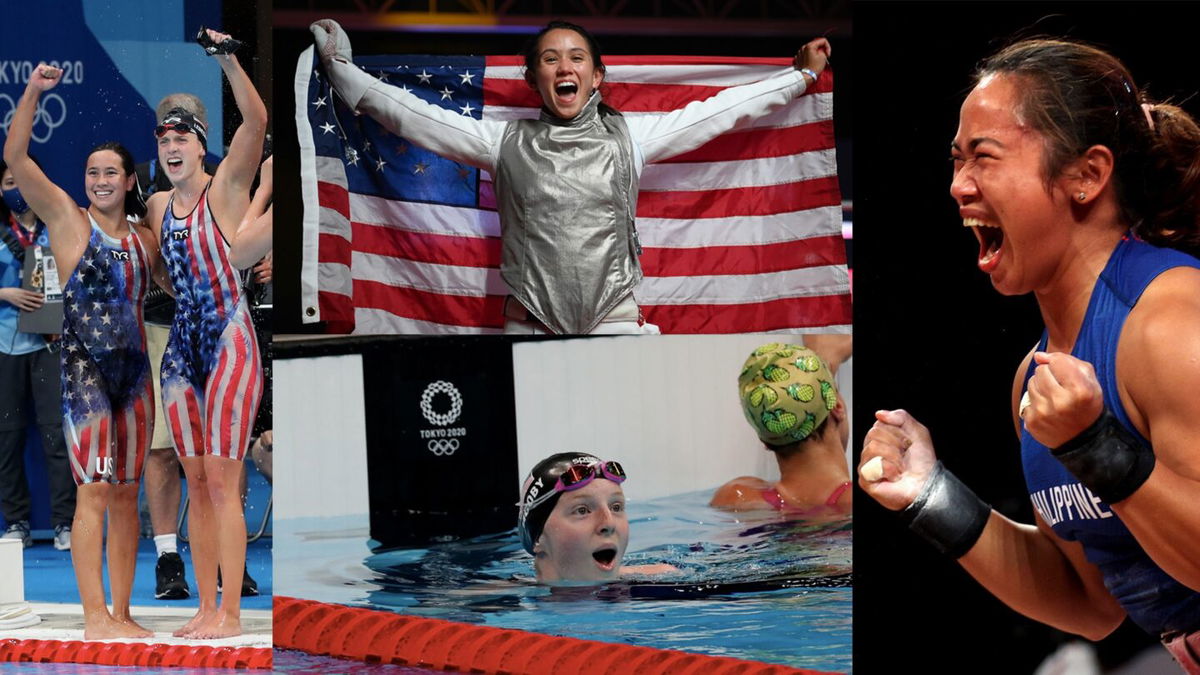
(789, 396)
(572, 520)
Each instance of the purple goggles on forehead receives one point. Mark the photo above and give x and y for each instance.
(578, 475)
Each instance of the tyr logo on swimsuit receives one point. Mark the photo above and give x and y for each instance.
(180, 234)
(120, 255)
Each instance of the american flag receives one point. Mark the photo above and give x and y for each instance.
(743, 234)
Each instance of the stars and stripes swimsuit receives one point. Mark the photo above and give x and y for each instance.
(211, 373)
(108, 396)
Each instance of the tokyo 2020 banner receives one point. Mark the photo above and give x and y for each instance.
(119, 58)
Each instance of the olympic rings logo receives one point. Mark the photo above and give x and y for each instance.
(44, 115)
(441, 387)
(442, 447)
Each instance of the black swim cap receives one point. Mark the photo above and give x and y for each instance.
(180, 116)
(531, 521)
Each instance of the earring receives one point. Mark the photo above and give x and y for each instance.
(1082, 196)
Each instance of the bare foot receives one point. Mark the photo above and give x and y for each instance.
(104, 627)
(221, 625)
(189, 628)
(128, 621)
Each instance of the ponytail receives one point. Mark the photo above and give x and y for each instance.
(1173, 181)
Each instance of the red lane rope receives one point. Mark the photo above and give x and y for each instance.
(134, 654)
(385, 637)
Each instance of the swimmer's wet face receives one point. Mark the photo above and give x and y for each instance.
(1002, 192)
(106, 181)
(585, 535)
(590, 532)
(180, 145)
(565, 73)
(179, 155)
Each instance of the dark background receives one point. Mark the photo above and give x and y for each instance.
(932, 336)
(417, 496)
(289, 42)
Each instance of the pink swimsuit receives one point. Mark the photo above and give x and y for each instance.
(771, 496)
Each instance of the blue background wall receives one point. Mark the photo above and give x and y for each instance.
(119, 59)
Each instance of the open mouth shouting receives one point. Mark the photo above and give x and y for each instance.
(174, 164)
(605, 557)
(991, 242)
(566, 91)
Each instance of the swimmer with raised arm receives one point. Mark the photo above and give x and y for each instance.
(211, 373)
(108, 402)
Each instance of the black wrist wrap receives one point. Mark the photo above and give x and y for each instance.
(947, 513)
(1106, 458)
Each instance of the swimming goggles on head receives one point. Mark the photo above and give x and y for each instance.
(579, 475)
(177, 127)
(183, 122)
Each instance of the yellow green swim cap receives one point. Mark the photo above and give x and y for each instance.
(787, 391)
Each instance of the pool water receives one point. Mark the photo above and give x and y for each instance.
(749, 586)
(288, 661)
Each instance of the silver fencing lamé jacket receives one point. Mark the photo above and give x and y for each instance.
(566, 190)
(566, 193)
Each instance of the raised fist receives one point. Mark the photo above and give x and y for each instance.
(1064, 398)
(331, 41)
(814, 55)
(44, 77)
(897, 459)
